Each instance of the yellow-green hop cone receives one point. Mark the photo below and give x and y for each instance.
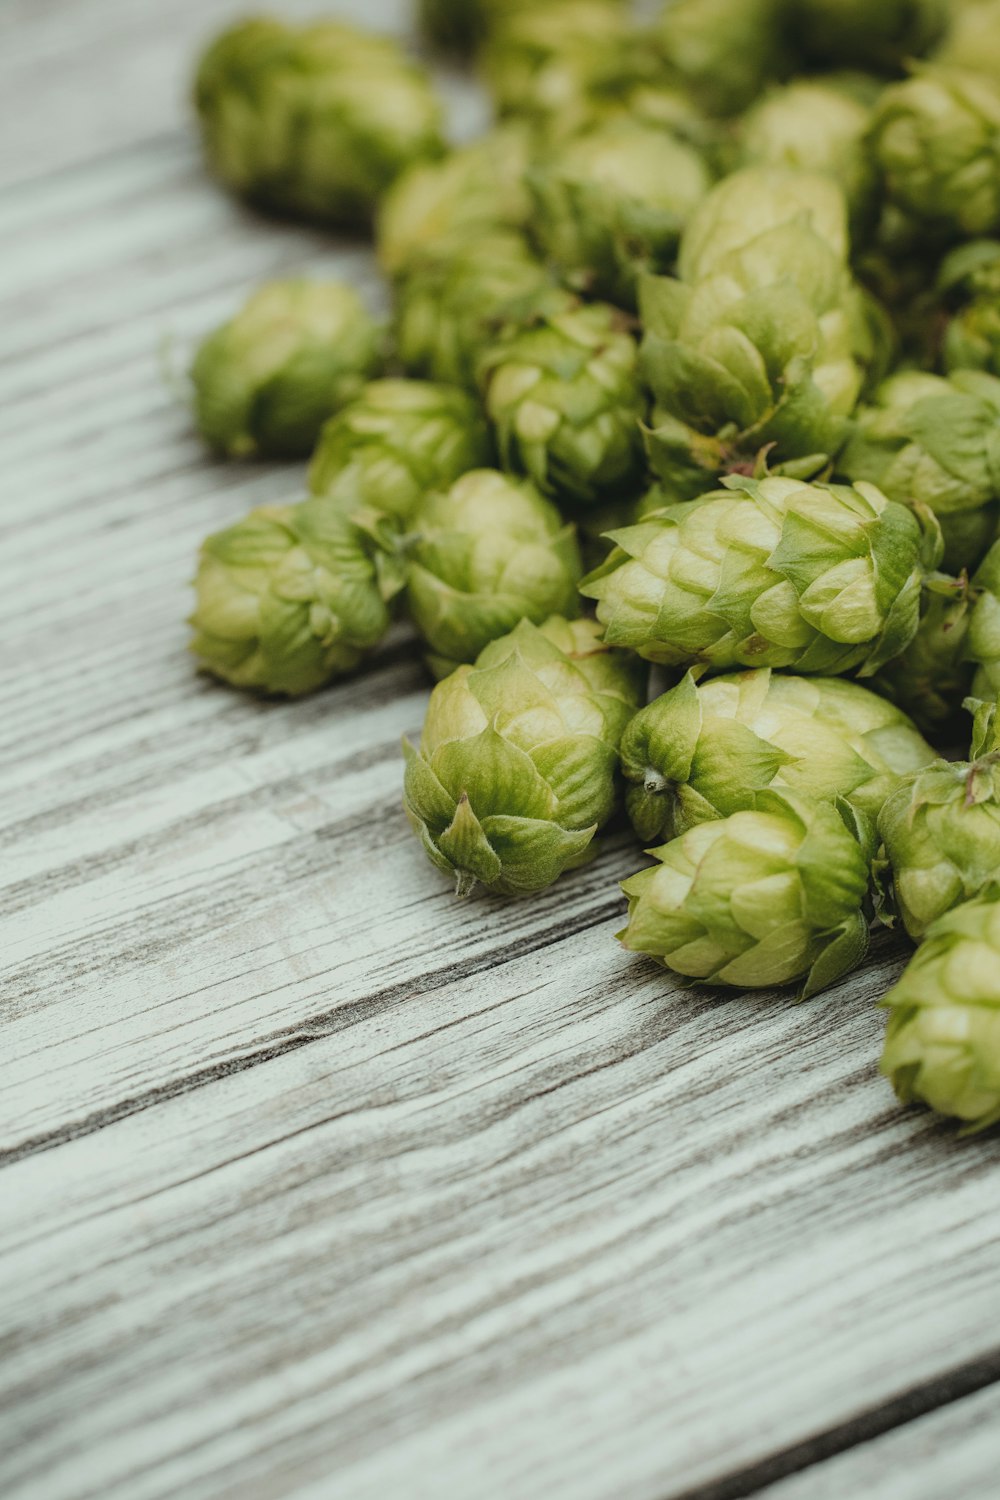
(463, 25)
(969, 279)
(458, 295)
(266, 381)
(942, 839)
(703, 751)
(398, 441)
(942, 1046)
(764, 341)
(973, 39)
(936, 139)
(818, 578)
(485, 554)
(564, 397)
(725, 51)
(767, 897)
(545, 63)
(612, 201)
(930, 441)
(516, 770)
(983, 640)
(315, 121)
(931, 678)
(814, 126)
(753, 202)
(985, 727)
(288, 598)
(883, 36)
(475, 190)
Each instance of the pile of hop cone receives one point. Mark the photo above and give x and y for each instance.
(694, 360)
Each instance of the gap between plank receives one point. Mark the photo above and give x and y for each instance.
(312, 1029)
(919, 1401)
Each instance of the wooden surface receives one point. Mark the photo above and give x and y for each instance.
(314, 1181)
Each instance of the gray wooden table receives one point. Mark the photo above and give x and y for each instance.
(316, 1182)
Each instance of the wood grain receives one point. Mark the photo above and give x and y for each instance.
(314, 1179)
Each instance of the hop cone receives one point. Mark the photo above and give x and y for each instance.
(463, 25)
(815, 127)
(942, 839)
(724, 50)
(546, 62)
(564, 397)
(973, 40)
(819, 578)
(516, 769)
(474, 191)
(397, 442)
(702, 752)
(488, 553)
(315, 121)
(983, 641)
(942, 1046)
(762, 345)
(985, 727)
(970, 278)
(749, 204)
(612, 201)
(930, 441)
(288, 598)
(883, 36)
(931, 678)
(459, 294)
(265, 382)
(937, 141)
(766, 897)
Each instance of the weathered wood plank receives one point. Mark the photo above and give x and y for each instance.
(953, 1452)
(557, 1232)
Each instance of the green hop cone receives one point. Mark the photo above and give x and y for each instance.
(985, 727)
(398, 441)
(545, 62)
(973, 40)
(725, 51)
(814, 126)
(883, 36)
(476, 190)
(612, 201)
(459, 294)
(941, 833)
(767, 897)
(289, 598)
(970, 282)
(564, 397)
(516, 770)
(942, 1045)
(266, 381)
(936, 139)
(763, 346)
(314, 121)
(487, 553)
(703, 751)
(751, 203)
(934, 442)
(931, 678)
(983, 641)
(769, 573)
(464, 25)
